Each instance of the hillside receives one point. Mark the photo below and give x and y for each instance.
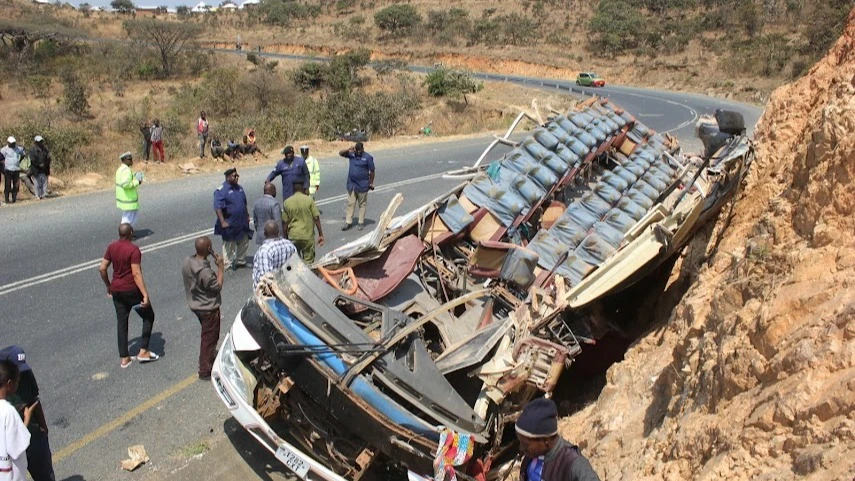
(752, 375)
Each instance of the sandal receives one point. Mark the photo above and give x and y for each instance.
(151, 358)
(125, 365)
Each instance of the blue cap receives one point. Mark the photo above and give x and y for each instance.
(539, 419)
(16, 355)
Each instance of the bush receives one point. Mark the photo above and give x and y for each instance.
(615, 27)
(448, 25)
(397, 20)
(67, 143)
(283, 12)
(123, 6)
(309, 76)
(381, 112)
(75, 95)
(451, 83)
(39, 85)
(343, 70)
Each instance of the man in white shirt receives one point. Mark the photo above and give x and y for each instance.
(16, 437)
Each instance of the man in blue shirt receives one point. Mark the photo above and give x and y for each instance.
(292, 169)
(232, 220)
(360, 179)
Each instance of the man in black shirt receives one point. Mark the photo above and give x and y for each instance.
(40, 464)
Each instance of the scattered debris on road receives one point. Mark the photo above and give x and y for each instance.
(138, 457)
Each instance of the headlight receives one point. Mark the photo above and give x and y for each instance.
(231, 371)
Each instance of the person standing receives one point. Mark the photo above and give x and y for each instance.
(314, 170)
(272, 254)
(546, 456)
(202, 287)
(128, 291)
(266, 208)
(232, 220)
(40, 161)
(300, 217)
(202, 131)
(15, 437)
(292, 169)
(157, 142)
(360, 179)
(39, 458)
(12, 154)
(145, 130)
(127, 183)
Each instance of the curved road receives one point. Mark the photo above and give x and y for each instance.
(53, 304)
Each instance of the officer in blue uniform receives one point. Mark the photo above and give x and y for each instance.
(232, 220)
(293, 169)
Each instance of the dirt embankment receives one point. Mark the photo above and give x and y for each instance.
(752, 376)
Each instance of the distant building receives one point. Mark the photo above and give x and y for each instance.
(201, 7)
(228, 7)
(249, 4)
(42, 2)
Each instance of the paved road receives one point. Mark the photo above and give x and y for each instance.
(53, 304)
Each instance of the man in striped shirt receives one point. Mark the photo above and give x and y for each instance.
(272, 254)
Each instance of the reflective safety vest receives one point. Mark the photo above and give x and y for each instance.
(314, 174)
(126, 189)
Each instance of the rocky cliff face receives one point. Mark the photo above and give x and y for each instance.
(752, 376)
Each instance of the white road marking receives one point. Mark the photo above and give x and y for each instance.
(85, 266)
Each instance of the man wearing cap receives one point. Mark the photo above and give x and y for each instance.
(232, 220)
(314, 170)
(292, 169)
(40, 160)
(39, 458)
(127, 197)
(548, 457)
(12, 157)
(360, 179)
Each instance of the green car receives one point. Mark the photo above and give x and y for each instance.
(590, 79)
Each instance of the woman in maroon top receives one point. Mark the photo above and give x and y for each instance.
(128, 292)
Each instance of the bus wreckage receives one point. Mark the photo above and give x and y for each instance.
(413, 349)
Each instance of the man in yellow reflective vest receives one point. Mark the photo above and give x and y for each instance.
(127, 198)
(314, 171)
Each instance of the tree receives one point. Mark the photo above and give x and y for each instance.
(397, 19)
(169, 38)
(451, 83)
(86, 9)
(123, 6)
(182, 10)
(616, 26)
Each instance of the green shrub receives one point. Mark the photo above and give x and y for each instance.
(39, 85)
(451, 83)
(75, 95)
(66, 141)
(309, 75)
(283, 12)
(398, 19)
(616, 26)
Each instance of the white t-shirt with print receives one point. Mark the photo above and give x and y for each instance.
(13, 444)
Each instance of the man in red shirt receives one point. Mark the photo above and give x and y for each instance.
(128, 291)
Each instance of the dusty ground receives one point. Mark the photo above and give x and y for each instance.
(752, 376)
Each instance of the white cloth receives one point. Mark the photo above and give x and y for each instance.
(130, 217)
(13, 444)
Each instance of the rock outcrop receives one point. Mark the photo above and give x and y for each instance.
(752, 376)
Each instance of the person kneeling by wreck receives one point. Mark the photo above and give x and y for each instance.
(547, 456)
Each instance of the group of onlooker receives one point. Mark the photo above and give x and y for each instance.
(15, 161)
(152, 141)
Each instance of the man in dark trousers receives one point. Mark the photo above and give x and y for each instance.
(266, 208)
(292, 169)
(145, 130)
(548, 457)
(232, 220)
(300, 218)
(360, 179)
(40, 160)
(202, 287)
(39, 462)
(128, 292)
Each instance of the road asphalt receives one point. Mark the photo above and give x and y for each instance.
(53, 304)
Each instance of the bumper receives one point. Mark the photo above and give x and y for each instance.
(599, 83)
(303, 465)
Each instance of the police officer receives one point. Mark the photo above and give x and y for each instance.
(232, 220)
(127, 197)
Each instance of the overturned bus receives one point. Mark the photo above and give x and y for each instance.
(445, 321)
